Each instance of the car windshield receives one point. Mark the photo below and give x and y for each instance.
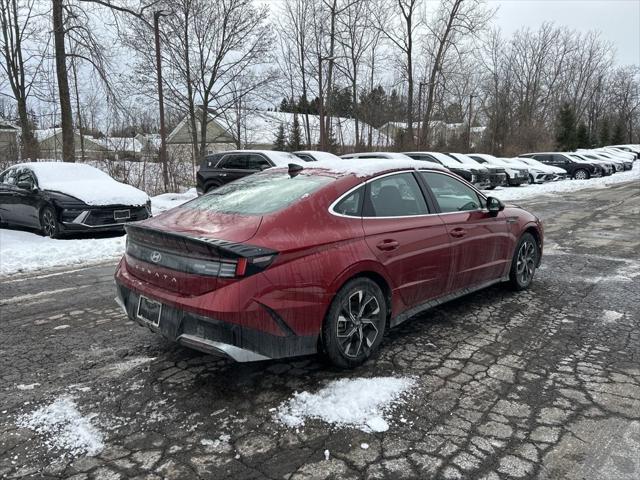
(259, 194)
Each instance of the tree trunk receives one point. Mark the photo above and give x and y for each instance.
(66, 115)
(29, 144)
(195, 154)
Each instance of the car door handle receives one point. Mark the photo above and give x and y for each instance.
(458, 232)
(387, 245)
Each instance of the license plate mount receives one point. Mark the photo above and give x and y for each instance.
(149, 311)
(119, 215)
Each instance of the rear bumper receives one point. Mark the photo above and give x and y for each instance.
(210, 334)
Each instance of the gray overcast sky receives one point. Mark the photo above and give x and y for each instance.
(618, 20)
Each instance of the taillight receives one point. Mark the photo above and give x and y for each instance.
(241, 267)
(214, 266)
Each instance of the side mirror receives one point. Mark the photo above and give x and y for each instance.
(26, 186)
(494, 205)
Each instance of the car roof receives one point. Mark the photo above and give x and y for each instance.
(276, 156)
(371, 168)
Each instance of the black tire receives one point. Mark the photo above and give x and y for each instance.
(531, 180)
(49, 225)
(349, 338)
(581, 174)
(524, 263)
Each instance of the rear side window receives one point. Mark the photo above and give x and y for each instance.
(394, 196)
(258, 194)
(9, 177)
(234, 162)
(305, 157)
(210, 161)
(351, 205)
(451, 195)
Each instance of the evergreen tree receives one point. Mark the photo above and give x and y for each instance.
(295, 136)
(566, 134)
(605, 132)
(280, 142)
(284, 105)
(618, 134)
(582, 136)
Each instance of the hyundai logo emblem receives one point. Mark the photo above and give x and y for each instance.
(156, 257)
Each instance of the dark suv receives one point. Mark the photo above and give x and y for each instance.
(224, 167)
(575, 169)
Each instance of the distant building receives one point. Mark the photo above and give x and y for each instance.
(91, 148)
(257, 129)
(50, 145)
(9, 145)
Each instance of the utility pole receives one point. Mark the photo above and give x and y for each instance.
(163, 133)
(471, 97)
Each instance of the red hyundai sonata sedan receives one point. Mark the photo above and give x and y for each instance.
(320, 258)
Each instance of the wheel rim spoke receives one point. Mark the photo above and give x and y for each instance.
(357, 323)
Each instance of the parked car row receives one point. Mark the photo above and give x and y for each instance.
(484, 171)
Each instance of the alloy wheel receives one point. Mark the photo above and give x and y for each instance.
(358, 324)
(580, 175)
(526, 262)
(48, 223)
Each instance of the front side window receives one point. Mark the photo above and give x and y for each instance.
(396, 195)
(452, 195)
(258, 194)
(256, 162)
(26, 177)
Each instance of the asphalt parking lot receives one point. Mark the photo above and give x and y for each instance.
(539, 384)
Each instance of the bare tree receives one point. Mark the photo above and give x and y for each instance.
(18, 22)
(455, 19)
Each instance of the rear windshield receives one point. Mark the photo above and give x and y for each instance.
(259, 194)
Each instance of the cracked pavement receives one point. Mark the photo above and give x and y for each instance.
(537, 384)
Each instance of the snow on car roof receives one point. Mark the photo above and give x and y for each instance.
(319, 155)
(369, 166)
(84, 182)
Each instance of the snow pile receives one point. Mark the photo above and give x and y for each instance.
(360, 403)
(63, 427)
(567, 186)
(26, 252)
(22, 251)
(84, 182)
(166, 201)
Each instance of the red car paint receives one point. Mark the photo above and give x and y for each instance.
(418, 260)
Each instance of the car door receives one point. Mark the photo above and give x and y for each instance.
(233, 166)
(26, 200)
(410, 241)
(8, 196)
(480, 244)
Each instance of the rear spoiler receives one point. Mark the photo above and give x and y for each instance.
(194, 245)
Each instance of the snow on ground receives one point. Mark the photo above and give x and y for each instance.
(361, 403)
(22, 251)
(565, 186)
(63, 427)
